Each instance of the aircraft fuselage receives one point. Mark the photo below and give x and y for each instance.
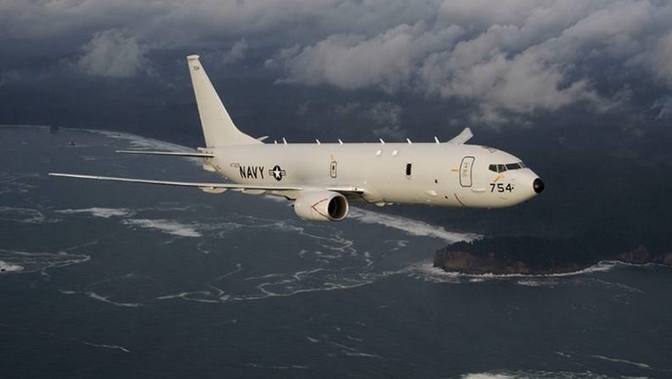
(443, 174)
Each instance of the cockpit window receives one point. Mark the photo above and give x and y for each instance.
(504, 167)
(497, 168)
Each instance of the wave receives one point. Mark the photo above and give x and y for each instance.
(624, 361)
(276, 367)
(427, 271)
(8, 267)
(541, 374)
(106, 346)
(140, 142)
(15, 183)
(106, 299)
(165, 226)
(486, 376)
(410, 226)
(98, 297)
(22, 215)
(38, 261)
(99, 212)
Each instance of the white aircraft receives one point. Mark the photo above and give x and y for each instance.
(321, 178)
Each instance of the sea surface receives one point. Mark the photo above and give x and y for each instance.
(113, 280)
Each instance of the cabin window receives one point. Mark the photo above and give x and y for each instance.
(409, 168)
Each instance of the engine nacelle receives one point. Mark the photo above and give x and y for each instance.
(321, 206)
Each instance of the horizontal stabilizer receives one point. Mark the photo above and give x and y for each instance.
(170, 153)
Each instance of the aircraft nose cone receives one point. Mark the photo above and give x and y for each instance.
(538, 185)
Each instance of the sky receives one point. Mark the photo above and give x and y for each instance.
(571, 86)
(496, 65)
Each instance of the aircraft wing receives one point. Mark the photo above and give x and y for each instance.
(211, 187)
(170, 153)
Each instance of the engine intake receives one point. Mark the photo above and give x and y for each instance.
(321, 206)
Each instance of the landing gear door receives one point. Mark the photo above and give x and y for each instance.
(465, 171)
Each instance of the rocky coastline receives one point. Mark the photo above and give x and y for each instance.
(536, 256)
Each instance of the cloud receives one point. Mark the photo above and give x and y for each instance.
(113, 54)
(383, 117)
(387, 60)
(6, 77)
(388, 116)
(661, 60)
(236, 53)
(499, 58)
(663, 108)
(513, 56)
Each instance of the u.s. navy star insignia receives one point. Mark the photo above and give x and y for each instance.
(277, 172)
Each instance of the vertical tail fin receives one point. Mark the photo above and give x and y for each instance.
(218, 128)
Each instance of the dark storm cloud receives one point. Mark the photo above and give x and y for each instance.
(514, 55)
(508, 58)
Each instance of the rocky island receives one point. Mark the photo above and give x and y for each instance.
(538, 256)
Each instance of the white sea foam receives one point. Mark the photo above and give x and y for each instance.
(22, 215)
(410, 226)
(538, 282)
(40, 261)
(276, 367)
(106, 346)
(166, 226)
(624, 361)
(427, 271)
(8, 267)
(139, 142)
(106, 299)
(539, 374)
(16, 183)
(99, 212)
(98, 297)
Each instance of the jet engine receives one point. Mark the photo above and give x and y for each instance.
(321, 206)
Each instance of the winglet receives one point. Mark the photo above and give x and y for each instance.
(463, 137)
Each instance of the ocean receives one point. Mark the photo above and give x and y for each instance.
(121, 280)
